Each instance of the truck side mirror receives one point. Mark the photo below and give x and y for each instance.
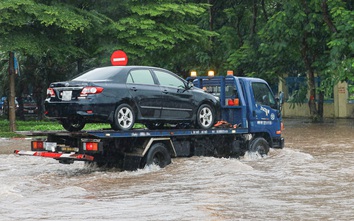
(280, 100)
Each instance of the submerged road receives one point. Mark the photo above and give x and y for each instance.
(312, 178)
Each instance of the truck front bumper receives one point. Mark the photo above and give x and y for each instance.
(278, 142)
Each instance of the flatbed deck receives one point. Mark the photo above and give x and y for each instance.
(136, 133)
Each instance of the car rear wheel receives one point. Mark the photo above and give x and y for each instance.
(205, 116)
(73, 124)
(124, 117)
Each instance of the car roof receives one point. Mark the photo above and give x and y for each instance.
(116, 69)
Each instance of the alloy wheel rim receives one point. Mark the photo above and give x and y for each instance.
(125, 117)
(206, 117)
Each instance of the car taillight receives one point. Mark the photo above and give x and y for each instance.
(50, 92)
(90, 90)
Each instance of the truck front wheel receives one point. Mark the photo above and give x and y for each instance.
(159, 155)
(259, 145)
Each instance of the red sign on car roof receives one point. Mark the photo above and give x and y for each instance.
(119, 58)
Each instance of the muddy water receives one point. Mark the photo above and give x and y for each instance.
(312, 178)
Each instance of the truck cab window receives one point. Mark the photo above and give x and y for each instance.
(263, 95)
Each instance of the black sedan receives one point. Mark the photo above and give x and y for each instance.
(124, 95)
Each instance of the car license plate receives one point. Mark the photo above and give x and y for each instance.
(66, 95)
(30, 111)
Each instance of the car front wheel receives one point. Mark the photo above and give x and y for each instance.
(124, 117)
(205, 116)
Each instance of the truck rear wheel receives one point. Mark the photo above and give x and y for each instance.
(159, 155)
(259, 145)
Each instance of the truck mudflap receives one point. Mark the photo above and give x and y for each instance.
(63, 157)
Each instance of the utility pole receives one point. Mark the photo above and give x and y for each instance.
(11, 100)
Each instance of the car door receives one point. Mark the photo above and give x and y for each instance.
(177, 102)
(145, 92)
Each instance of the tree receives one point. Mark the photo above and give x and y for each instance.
(297, 34)
(44, 30)
(339, 16)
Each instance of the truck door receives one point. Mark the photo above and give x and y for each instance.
(264, 113)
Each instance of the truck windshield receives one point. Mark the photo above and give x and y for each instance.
(263, 95)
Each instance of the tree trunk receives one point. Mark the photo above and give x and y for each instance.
(312, 98)
(254, 18)
(308, 61)
(326, 16)
(11, 100)
(320, 105)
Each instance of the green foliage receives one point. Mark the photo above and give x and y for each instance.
(158, 26)
(56, 39)
(342, 41)
(298, 97)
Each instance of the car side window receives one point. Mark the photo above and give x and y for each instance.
(140, 77)
(263, 95)
(166, 79)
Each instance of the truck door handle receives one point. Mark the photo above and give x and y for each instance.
(133, 89)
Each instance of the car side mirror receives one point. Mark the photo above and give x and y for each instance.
(189, 85)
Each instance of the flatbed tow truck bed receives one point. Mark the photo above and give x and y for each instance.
(135, 133)
(133, 149)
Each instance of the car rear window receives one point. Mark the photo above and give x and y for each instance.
(99, 74)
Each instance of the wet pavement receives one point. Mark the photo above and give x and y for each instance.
(310, 179)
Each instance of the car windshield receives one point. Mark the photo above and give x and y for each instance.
(28, 100)
(98, 74)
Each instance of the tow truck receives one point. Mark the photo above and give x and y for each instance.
(251, 121)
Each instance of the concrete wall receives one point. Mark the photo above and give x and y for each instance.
(339, 108)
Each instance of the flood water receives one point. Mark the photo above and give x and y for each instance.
(312, 178)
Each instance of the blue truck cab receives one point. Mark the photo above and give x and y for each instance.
(247, 103)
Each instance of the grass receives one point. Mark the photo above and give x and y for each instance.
(44, 125)
(34, 125)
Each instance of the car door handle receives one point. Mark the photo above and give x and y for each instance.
(165, 91)
(133, 89)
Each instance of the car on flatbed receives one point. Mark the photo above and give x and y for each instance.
(125, 95)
